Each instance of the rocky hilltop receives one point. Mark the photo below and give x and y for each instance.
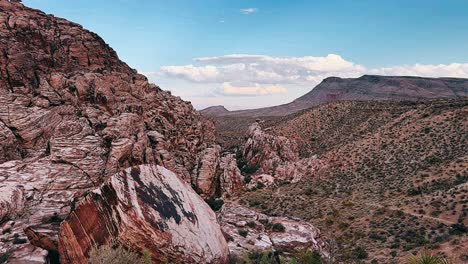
(92, 154)
(218, 110)
(71, 115)
(365, 88)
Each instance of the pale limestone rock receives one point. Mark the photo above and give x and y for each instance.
(260, 181)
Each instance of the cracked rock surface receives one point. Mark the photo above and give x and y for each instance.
(149, 208)
(249, 231)
(71, 115)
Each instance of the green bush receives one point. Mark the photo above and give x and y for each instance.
(360, 253)
(458, 229)
(278, 227)
(308, 257)
(243, 233)
(4, 257)
(215, 203)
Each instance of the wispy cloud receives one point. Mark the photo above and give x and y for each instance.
(260, 69)
(256, 89)
(248, 11)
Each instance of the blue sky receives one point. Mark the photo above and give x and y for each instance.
(294, 37)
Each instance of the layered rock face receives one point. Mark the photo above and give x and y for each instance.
(269, 159)
(249, 231)
(72, 114)
(217, 174)
(145, 208)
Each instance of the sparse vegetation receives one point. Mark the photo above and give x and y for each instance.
(115, 254)
(243, 232)
(215, 203)
(426, 257)
(390, 183)
(4, 257)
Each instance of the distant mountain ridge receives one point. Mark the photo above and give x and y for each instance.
(364, 88)
(214, 110)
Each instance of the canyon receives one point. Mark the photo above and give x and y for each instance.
(92, 154)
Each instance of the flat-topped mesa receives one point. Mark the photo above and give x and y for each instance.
(71, 115)
(364, 88)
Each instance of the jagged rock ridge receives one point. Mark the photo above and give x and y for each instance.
(71, 115)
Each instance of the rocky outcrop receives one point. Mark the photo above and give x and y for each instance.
(269, 159)
(265, 151)
(217, 174)
(145, 208)
(205, 176)
(71, 115)
(231, 179)
(248, 231)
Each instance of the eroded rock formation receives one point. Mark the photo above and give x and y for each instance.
(249, 231)
(270, 159)
(217, 174)
(71, 115)
(145, 208)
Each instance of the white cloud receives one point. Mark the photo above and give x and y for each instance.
(249, 75)
(256, 89)
(192, 73)
(265, 69)
(248, 11)
(425, 70)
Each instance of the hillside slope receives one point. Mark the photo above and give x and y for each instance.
(396, 176)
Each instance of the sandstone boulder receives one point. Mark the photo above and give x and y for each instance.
(145, 208)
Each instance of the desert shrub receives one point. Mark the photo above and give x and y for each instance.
(257, 257)
(458, 229)
(147, 257)
(251, 224)
(214, 203)
(426, 257)
(115, 254)
(277, 227)
(4, 257)
(243, 233)
(307, 257)
(360, 253)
